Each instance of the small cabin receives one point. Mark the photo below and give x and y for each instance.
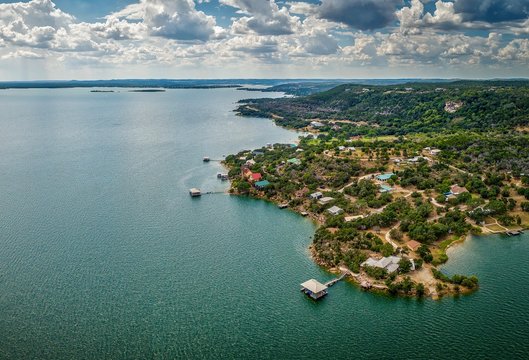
(194, 192)
(335, 210)
(314, 289)
(317, 195)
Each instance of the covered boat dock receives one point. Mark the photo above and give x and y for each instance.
(314, 289)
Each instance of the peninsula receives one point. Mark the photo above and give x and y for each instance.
(394, 175)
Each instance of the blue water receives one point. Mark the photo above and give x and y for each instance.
(103, 254)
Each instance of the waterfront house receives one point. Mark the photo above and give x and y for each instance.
(314, 289)
(390, 263)
(413, 245)
(316, 124)
(256, 176)
(260, 185)
(325, 200)
(247, 173)
(384, 177)
(294, 161)
(335, 210)
(316, 195)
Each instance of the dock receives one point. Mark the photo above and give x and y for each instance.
(316, 290)
(514, 232)
(194, 192)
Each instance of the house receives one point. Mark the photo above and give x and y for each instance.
(353, 218)
(390, 263)
(247, 173)
(316, 195)
(456, 189)
(260, 185)
(415, 159)
(325, 200)
(294, 161)
(335, 210)
(413, 245)
(385, 189)
(250, 163)
(341, 148)
(314, 289)
(385, 177)
(435, 152)
(256, 176)
(316, 124)
(258, 152)
(351, 148)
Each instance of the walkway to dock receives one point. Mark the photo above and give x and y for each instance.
(334, 281)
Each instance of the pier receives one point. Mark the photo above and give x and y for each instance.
(334, 281)
(514, 232)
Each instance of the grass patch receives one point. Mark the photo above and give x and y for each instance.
(443, 245)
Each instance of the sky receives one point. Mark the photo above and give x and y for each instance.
(207, 39)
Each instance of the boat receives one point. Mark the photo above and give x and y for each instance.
(206, 159)
(282, 206)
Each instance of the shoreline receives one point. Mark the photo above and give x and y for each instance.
(376, 288)
(295, 197)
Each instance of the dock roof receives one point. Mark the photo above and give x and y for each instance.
(314, 286)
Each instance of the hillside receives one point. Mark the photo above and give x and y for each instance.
(402, 109)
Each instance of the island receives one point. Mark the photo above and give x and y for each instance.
(395, 175)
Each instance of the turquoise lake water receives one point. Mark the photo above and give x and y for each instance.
(103, 254)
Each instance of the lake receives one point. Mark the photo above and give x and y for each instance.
(103, 254)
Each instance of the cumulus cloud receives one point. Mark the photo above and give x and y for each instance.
(325, 36)
(360, 14)
(172, 19)
(413, 18)
(492, 11)
(264, 17)
(34, 23)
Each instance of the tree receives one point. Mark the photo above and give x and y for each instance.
(387, 249)
(419, 288)
(396, 234)
(404, 265)
(425, 253)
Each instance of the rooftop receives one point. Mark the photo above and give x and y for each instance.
(314, 286)
(263, 183)
(335, 210)
(385, 176)
(413, 245)
(294, 161)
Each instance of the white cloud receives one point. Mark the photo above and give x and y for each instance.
(264, 17)
(172, 19)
